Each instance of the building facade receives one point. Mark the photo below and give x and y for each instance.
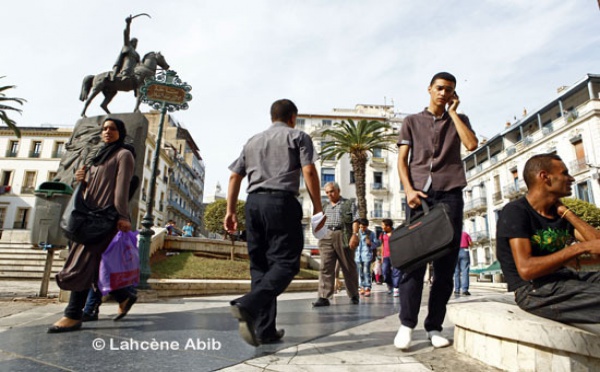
(184, 175)
(384, 193)
(25, 163)
(567, 125)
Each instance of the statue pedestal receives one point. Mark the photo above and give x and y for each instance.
(86, 140)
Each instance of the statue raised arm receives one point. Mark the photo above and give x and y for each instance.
(128, 58)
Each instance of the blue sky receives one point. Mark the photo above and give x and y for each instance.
(240, 56)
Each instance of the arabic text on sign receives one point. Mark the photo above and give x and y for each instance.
(166, 94)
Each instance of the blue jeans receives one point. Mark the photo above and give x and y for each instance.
(364, 274)
(94, 299)
(411, 284)
(391, 275)
(461, 272)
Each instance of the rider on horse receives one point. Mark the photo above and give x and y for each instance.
(123, 68)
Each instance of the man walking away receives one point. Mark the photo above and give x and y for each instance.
(273, 160)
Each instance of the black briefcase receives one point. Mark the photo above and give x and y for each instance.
(423, 238)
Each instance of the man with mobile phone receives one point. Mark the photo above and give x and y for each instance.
(431, 170)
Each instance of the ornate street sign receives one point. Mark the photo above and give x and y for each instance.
(166, 90)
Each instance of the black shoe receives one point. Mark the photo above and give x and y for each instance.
(129, 303)
(456, 293)
(466, 293)
(89, 317)
(246, 324)
(355, 300)
(273, 338)
(58, 329)
(321, 302)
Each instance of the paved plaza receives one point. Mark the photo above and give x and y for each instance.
(198, 334)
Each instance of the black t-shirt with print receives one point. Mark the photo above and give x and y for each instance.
(519, 220)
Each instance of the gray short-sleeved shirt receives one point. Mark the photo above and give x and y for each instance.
(273, 159)
(435, 162)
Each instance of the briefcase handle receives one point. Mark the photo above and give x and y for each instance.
(414, 216)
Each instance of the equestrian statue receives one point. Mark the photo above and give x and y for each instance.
(128, 73)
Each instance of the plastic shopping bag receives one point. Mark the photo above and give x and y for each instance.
(120, 264)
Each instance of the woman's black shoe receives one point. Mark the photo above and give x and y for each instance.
(130, 301)
(59, 329)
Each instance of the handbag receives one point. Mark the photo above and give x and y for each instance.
(423, 238)
(120, 264)
(83, 224)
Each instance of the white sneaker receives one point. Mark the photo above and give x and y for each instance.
(437, 340)
(403, 338)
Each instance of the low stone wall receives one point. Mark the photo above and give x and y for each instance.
(204, 245)
(203, 287)
(508, 338)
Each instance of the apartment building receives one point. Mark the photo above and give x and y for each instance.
(25, 163)
(568, 125)
(384, 194)
(184, 175)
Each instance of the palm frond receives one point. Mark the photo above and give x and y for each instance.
(4, 108)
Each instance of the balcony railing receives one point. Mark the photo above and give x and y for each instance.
(174, 205)
(57, 154)
(11, 154)
(512, 191)
(578, 165)
(380, 214)
(548, 129)
(497, 196)
(378, 187)
(480, 236)
(378, 162)
(475, 205)
(34, 154)
(27, 190)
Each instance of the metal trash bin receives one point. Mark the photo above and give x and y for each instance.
(50, 203)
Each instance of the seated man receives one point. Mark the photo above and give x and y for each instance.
(535, 244)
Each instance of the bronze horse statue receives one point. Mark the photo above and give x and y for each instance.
(92, 85)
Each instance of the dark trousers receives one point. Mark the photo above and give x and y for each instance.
(411, 284)
(275, 240)
(566, 297)
(77, 301)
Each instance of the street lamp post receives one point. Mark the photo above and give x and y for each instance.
(165, 92)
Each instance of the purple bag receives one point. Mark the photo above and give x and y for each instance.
(120, 264)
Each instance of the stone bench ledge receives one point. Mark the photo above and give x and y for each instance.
(504, 336)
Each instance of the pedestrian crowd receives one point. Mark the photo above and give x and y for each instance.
(536, 233)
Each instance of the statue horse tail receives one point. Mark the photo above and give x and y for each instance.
(86, 87)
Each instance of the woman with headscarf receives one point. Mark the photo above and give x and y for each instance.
(107, 182)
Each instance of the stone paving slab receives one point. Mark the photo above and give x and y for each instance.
(190, 334)
(341, 337)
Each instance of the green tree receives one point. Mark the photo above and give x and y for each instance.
(215, 214)
(4, 107)
(357, 140)
(586, 211)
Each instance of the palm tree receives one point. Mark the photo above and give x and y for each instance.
(4, 108)
(357, 140)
